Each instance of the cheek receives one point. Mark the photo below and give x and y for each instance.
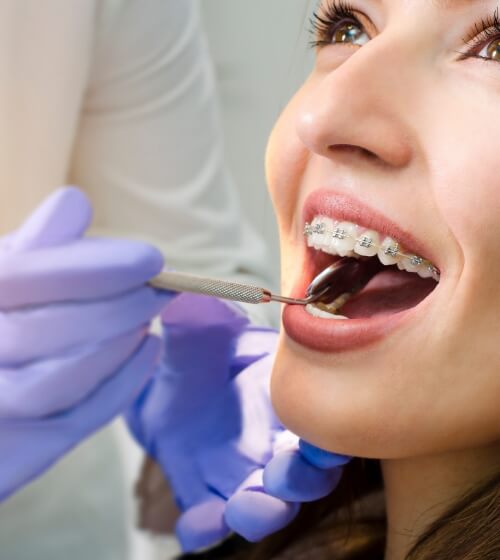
(286, 160)
(325, 405)
(465, 168)
(469, 196)
(467, 191)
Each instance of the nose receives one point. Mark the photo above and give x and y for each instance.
(358, 107)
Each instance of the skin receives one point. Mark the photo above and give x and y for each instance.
(404, 125)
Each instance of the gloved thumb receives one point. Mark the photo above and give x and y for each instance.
(290, 477)
(254, 514)
(202, 525)
(300, 471)
(321, 458)
(63, 217)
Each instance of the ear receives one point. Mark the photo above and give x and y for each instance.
(63, 217)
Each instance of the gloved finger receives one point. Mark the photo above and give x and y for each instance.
(208, 454)
(196, 311)
(30, 447)
(321, 458)
(254, 514)
(239, 446)
(90, 268)
(62, 217)
(254, 344)
(289, 476)
(119, 391)
(41, 332)
(225, 466)
(181, 471)
(156, 427)
(284, 440)
(201, 322)
(202, 525)
(50, 386)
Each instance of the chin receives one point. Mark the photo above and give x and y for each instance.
(343, 405)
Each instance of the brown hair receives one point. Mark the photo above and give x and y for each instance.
(469, 530)
(350, 525)
(347, 525)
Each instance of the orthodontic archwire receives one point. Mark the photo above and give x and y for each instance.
(367, 242)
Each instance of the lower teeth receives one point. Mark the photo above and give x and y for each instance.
(336, 305)
(318, 310)
(329, 310)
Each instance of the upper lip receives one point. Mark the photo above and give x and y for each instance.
(343, 207)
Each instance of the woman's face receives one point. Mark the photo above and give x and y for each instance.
(395, 134)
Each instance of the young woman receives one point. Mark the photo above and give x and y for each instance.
(389, 154)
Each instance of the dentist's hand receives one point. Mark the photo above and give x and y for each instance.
(206, 418)
(74, 343)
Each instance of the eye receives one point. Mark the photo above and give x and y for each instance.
(483, 40)
(337, 24)
(350, 33)
(491, 51)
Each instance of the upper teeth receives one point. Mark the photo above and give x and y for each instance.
(349, 240)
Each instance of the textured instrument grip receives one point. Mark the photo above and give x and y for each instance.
(180, 282)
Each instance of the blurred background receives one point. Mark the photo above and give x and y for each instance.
(261, 56)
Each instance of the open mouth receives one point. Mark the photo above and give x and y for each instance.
(384, 278)
(385, 285)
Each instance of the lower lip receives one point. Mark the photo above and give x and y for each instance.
(338, 335)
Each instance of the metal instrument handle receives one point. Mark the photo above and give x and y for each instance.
(182, 282)
(244, 293)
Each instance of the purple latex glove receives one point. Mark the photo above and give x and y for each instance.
(74, 343)
(206, 418)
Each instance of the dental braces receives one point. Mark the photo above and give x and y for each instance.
(367, 242)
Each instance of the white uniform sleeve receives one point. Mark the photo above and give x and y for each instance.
(149, 146)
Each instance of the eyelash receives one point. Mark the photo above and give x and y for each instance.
(487, 30)
(324, 25)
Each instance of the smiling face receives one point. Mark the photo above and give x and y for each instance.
(396, 133)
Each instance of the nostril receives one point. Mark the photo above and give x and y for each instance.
(350, 149)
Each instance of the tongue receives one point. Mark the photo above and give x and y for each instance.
(390, 291)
